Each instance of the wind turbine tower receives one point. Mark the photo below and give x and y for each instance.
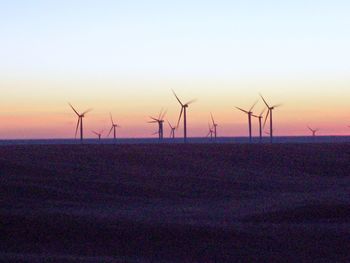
(80, 122)
(160, 121)
(249, 113)
(260, 117)
(215, 125)
(113, 128)
(99, 134)
(269, 112)
(211, 131)
(172, 130)
(183, 110)
(313, 131)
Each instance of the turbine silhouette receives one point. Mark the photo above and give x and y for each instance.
(80, 121)
(183, 110)
(269, 112)
(260, 116)
(160, 121)
(172, 130)
(99, 134)
(113, 128)
(249, 112)
(211, 131)
(215, 125)
(313, 131)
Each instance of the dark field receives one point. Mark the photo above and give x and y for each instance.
(175, 203)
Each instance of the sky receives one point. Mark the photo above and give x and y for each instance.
(125, 57)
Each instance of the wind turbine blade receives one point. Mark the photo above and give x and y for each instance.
(76, 129)
(153, 118)
(73, 109)
(110, 115)
(110, 131)
(152, 121)
(242, 110)
(95, 133)
(169, 124)
(157, 132)
(212, 119)
(191, 101)
(253, 105)
(182, 108)
(255, 116)
(267, 115)
(86, 111)
(160, 113)
(309, 128)
(162, 117)
(277, 105)
(262, 112)
(267, 105)
(177, 98)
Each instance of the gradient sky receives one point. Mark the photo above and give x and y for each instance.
(125, 57)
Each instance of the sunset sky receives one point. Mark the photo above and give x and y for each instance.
(124, 57)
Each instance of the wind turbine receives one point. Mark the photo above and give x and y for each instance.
(172, 130)
(183, 110)
(99, 134)
(211, 131)
(214, 125)
(160, 121)
(269, 112)
(80, 121)
(249, 119)
(313, 131)
(113, 128)
(260, 116)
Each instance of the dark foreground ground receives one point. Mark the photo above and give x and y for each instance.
(175, 203)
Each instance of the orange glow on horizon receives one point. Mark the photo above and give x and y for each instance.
(32, 108)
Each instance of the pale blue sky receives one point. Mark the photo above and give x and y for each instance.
(174, 38)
